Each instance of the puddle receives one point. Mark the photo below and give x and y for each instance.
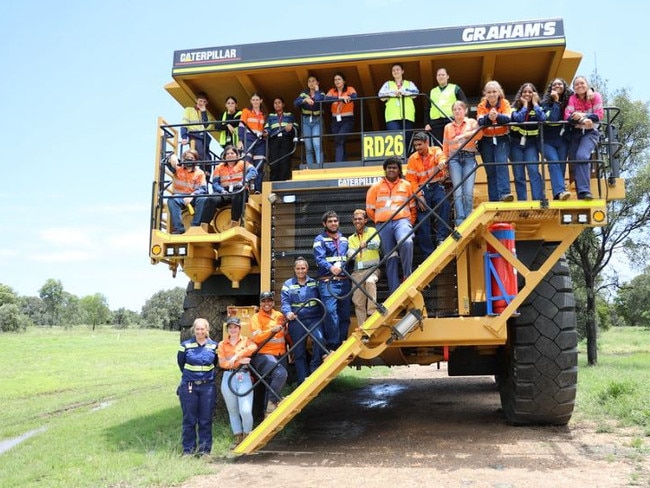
(7, 444)
(380, 395)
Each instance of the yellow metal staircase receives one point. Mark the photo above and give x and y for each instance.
(375, 334)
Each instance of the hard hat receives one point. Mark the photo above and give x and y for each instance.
(266, 295)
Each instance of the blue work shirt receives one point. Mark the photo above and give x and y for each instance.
(197, 362)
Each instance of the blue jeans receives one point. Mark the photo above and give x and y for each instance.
(311, 135)
(391, 233)
(335, 297)
(433, 193)
(345, 126)
(197, 405)
(462, 167)
(255, 153)
(175, 206)
(400, 125)
(274, 373)
(299, 335)
(527, 153)
(580, 147)
(240, 408)
(495, 150)
(556, 153)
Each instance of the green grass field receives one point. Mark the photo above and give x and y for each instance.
(106, 405)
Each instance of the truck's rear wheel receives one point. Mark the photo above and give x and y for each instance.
(210, 307)
(538, 384)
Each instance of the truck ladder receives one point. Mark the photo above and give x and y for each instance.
(376, 333)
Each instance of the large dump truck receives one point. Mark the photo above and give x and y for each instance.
(445, 310)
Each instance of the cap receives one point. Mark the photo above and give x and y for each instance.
(233, 320)
(265, 295)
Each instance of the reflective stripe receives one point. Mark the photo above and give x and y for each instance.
(523, 132)
(444, 99)
(191, 367)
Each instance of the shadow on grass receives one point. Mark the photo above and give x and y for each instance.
(160, 430)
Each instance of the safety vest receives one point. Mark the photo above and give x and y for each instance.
(369, 256)
(252, 121)
(193, 116)
(225, 134)
(482, 110)
(186, 181)
(342, 108)
(384, 198)
(394, 104)
(419, 170)
(450, 145)
(444, 99)
(261, 325)
(230, 175)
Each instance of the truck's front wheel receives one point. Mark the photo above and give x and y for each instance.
(538, 384)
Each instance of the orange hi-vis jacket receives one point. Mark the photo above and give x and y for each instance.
(342, 108)
(384, 198)
(483, 109)
(261, 325)
(253, 121)
(419, 169)
(245, 347)
(230, 175)
(187, 182)
(450, 145)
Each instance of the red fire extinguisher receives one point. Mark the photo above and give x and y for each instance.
(503, 275)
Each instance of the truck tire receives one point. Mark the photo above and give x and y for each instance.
(538, 384)
(210, 307)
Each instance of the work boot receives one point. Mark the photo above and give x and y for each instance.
(270, 408)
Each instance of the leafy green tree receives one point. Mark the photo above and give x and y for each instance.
(123, 318)
(94, 309)
(52, 295)
(7, 295)
(627, 220)
(12, 319)
(70, 312)
(164, 309)
(34, 308)
(632, 301)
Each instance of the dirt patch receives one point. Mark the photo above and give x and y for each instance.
(418, 427)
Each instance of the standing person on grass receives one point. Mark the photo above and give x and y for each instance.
(236, 385)
(197, 359)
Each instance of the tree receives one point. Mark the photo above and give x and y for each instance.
(94, 309)
(52, 295)
(164, 309)
(627, 219)
(34, 308)
(7, 295)
(70, 311)
(12, 319)
(632, 301)
(123, 318)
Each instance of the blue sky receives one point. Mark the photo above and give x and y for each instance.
(82, 87)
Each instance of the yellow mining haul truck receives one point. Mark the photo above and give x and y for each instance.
(449, 309)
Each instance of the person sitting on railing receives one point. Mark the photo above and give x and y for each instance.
(228, 126)
(491, 112)
(342, 113)
(279, 127)
(584, 111)
(524, 142)
(198, 131)
(251, 133)
(442, 98)
(230, 181)
(556, 142)
(461, 162)
(310, 109)
(189, 180)
(398, 94)
(426, 170)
